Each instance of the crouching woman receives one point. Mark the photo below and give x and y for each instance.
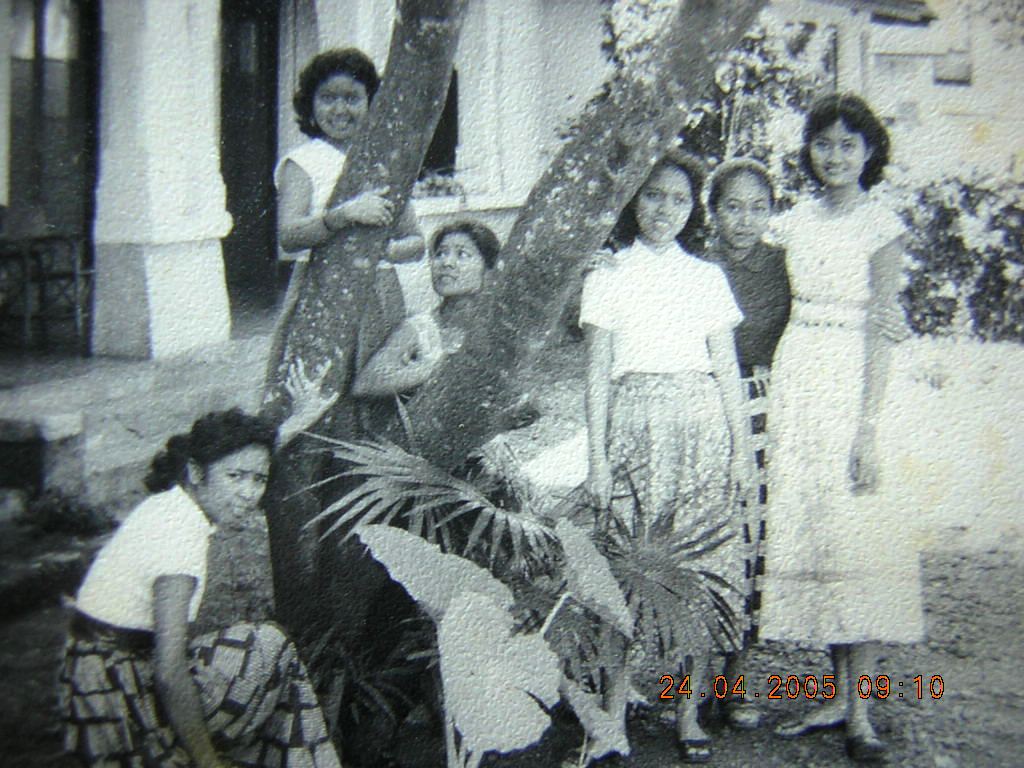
(136, 690)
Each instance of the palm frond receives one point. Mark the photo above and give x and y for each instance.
(433, 504)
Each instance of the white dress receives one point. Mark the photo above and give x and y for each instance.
(839, 567)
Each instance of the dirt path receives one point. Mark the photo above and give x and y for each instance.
(973, 605)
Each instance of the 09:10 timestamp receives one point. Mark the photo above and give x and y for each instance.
(881, 687)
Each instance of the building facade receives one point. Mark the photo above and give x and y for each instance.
(151, 128)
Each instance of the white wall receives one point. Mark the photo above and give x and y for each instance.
(949, 127)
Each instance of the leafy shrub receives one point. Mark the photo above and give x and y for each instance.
(966, 273)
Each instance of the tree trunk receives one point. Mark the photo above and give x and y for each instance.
(336, 297)
(570, 212)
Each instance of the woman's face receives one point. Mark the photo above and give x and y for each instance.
(231, 487)
(743, 210)
(339, 105)
(664, 204)
(457, 267)
(838, 156)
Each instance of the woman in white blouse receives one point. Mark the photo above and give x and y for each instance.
(666, 438)
(136, 689)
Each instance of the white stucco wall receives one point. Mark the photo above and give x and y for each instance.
(950, 127)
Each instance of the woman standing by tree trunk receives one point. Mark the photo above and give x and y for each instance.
(667, 437)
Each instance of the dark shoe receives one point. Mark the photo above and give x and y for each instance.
(865, 749)
(694, 751)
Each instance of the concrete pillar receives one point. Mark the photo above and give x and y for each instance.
(160, 209)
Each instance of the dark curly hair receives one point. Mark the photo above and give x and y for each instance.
(212, 437)
(338, 61)
(627, 228)
(856, 116)
(728, 171)
(486, 241)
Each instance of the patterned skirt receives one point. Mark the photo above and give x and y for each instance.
(670, 449)
(756, 387)
(258, 703)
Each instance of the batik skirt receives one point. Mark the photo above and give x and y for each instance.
(753, 527)
(257, 700)
(670, 449)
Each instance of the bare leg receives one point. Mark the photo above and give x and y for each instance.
(694, 743)
(740, 711)
(861, 660)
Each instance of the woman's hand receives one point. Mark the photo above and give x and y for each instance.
(599, 482)
(370, 208)
(309, 400)
(864, 461)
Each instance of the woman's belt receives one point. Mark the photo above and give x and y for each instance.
(828, 315)
(85, 627)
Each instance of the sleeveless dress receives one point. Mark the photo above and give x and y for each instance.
(323, 163)
(839, 567)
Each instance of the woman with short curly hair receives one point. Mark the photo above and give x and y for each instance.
(136, 689)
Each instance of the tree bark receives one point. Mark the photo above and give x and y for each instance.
(568, 215)
(336, 296)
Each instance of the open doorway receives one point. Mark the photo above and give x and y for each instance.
(248, 120)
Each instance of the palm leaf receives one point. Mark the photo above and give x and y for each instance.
(432, 502)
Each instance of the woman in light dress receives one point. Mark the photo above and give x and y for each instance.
(462, 255)
(839, 574)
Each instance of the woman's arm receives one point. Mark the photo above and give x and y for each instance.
(395, 367)
(599, 374)
(408, 243)
(722, 347)
(174, 686)
(884, 328)
(298, 229)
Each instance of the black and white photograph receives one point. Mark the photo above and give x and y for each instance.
(511, 383)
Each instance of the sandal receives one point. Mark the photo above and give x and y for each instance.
(865, 749)
(694, 751)
(743, 715)
(810, 723)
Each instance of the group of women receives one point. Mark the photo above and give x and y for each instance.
(679, 348)
(678, 339)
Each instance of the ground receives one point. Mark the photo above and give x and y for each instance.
(973, 611)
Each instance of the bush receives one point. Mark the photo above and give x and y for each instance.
(966, 248)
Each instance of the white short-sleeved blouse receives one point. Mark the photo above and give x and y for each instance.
(660, 306)
(167, 534)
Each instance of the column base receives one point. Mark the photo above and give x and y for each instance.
(159, 300)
